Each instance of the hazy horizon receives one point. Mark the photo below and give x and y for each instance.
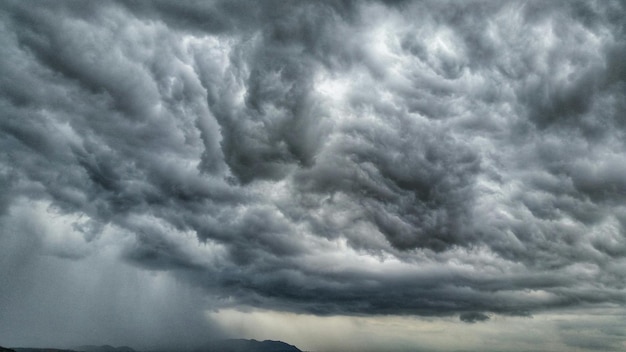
(338, 175)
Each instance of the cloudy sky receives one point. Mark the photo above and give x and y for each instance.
(432, 175)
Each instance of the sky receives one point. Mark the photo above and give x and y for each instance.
(340, 175)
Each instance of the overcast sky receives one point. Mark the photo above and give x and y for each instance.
(433, 175)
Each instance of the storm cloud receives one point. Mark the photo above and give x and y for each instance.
(332, 158)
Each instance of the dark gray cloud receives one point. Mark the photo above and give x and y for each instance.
(431, 158)
(473, 317)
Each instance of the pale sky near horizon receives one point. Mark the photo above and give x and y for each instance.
(339, 175)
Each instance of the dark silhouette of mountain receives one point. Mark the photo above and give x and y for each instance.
(241, 345)
(28, 349)
(233, 345)
(104, 348)
(87, 348)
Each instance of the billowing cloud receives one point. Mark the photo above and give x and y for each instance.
(351, 158)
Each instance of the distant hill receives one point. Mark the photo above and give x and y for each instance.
(234, 345)
(28, 349)
(87, 348)
(104, 348)
(240, 345)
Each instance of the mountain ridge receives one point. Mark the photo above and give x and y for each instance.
(248, 345)
(226, 345)
(104, 348)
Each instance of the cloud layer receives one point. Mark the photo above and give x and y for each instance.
(431, 158)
